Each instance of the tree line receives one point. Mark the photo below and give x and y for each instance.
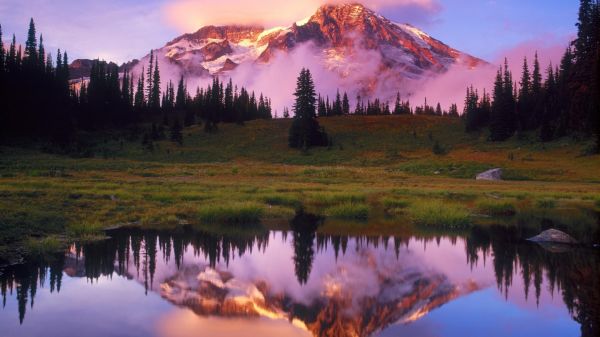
(566, 102)
(38, 102)
(340, 106)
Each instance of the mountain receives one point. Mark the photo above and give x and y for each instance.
(343, 37)
(81, 68)
(340, 310)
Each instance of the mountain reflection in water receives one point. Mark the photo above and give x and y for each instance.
(256, 282)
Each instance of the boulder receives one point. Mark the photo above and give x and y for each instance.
(553, 236)
(492, 175)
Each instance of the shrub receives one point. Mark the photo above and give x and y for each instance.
(235, 213)
(496, 208)
(438, 149)
(439, 213)
(349, 210)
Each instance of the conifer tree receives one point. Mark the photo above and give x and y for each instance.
(150, 82)
(11, 61)
(155, 94)
(345, 104)
(525, 106)
(337, 105)
(42, 55)
(305, 130)
(180, 100)
(139, 103)
(31, 45)
(2, 54)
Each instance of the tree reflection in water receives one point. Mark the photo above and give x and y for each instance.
(574, 273)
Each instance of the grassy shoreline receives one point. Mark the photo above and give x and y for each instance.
(376, 170)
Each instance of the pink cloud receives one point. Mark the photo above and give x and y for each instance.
(550, 49)
(190, 15)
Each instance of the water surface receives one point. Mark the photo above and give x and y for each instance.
(484, 281)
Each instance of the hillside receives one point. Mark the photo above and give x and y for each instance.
(401, 143)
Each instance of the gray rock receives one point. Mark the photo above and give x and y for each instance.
(553, 236)
(491, 175)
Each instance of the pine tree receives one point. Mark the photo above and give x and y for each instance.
(139, 102)
(149, 81)
(501, 119)
(345, 104)
(2, 54)
(337, 105)
(438, 110)
(525, 106)
(31, 45)
(65, 67)
(42, 55)
(305, 130)
(154, 104)
(536, 93)
(11, 61)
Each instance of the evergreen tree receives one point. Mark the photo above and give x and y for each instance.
(525, 102)
(149, 81)
(453, 112)
(337, 105)
(31, 46)
(140, 100)
(2, 54)
(345, 105)
(180, 101)
(154, 102)
(502, 116)
(42, 55)
(305, 130)
(11, 61)
(536, 93)
(438, 110)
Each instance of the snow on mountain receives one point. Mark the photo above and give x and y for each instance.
(369, 54)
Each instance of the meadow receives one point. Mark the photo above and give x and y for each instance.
(381, 175)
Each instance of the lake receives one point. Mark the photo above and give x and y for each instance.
(486, 280)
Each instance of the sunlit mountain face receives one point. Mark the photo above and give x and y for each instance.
(301, 283)
(347, 47)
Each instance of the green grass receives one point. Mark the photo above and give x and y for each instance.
(332, 198)
(231, 213)
(44, 246)
(496, 207)
(282, 200)
(85, 230)
(545, 203)
(439, 214)
(379, 165)
(348, 210)
(392, 203)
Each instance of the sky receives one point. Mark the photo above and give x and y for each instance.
(121, 30)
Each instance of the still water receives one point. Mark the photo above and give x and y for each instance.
(254, 282)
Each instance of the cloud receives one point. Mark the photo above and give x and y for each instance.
(190, 15)
(115, 30)
(550, 49)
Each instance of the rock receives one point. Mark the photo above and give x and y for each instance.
(492, 175)
(553, 236)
